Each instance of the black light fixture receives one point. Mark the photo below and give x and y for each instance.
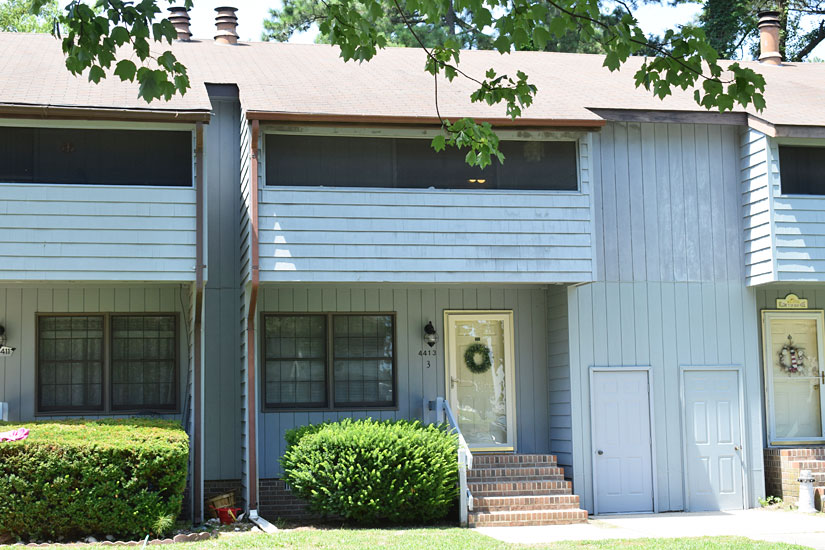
(430, 335)
(5, 351)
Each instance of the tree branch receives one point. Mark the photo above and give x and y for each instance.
(814, 38)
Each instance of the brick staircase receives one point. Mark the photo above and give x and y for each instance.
(511, 490)
(782, 467)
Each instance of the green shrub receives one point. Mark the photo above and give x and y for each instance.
(106, 477)
(368, 471)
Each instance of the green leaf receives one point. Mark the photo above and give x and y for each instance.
(96, 74)
(125, 69)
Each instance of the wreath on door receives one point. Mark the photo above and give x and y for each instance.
(477, 358)
(792, 358)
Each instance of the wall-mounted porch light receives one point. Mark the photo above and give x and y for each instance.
(430, 335)
(5, 351)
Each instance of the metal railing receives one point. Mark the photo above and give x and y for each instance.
(465, 458)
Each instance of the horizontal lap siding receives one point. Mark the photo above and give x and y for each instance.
(756, 170)
(561, 428)
(415, 306)
(667, 202)
(409, 235)
(20, 304)
(245, 228)
(98, 233)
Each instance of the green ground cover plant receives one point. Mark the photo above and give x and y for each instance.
(74, 478)
(367, 471)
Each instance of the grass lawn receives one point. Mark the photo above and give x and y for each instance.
(452, 539)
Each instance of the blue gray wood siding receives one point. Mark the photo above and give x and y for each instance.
(756, 172)
(667, 202)
(96, 233)
(221, 375)
(561, 428)
(427, 236)
(664, 325)
(415, 306)
(19, 305)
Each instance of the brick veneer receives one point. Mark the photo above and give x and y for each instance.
(782, 468)
(277, 501)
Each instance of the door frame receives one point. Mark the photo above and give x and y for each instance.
(654, 485)
(509, 374)
(767, 314)
(745, 443)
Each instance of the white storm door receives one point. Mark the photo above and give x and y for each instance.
(622, 457)
(483, 402)
(713, 440)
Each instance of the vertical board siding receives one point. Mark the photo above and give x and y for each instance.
(755, 176)
(19, 305)
(664, 325)
(96, 233)
(221, 377)
(799, 229)
(417, 384)
(666, 203)
(410, 235)
(558, 348)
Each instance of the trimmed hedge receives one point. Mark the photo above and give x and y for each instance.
(76, 478)
(368, 471)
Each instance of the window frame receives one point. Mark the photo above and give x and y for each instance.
(388, 133)
(795, 144)
(329, 364)
(107, 408)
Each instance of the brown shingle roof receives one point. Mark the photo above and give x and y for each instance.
(313, 80)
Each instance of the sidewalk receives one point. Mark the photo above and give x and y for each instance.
(768, 525)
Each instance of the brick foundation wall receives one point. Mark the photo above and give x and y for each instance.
(211, 488)
(782, 468)
(275, 500)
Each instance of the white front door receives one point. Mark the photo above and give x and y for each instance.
(480, 381)
(713, 440)
(793, 344)
(622, 450)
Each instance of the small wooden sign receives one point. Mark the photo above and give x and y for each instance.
(791, 301)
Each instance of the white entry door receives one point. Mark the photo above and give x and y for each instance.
(622, 450)
(480, 382)
(713, 440)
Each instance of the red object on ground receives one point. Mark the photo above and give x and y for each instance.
(15, 435)
(227, 515)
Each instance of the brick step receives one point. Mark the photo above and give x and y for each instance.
(523, 473)
(519, 488)
(520, 503)
(529, 517)
(510, 460)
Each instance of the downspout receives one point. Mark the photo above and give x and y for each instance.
(252, 391)
(197, 386)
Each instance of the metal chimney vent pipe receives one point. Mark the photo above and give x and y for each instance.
(769, 38)
(226, 23)
(179, 18)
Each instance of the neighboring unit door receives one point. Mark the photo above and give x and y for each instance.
(793, 343)
(622, 450)
(713, 440)
(481, 395)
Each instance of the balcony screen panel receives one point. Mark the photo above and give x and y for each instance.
(363, 359)
(70, 363)
(295, 361)
(412, 163)
(95, 157)
(143, 362)
(802, 170)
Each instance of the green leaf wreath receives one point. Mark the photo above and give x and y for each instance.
(477, 358)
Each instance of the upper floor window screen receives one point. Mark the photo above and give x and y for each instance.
(97, 157)
(333, 161)
(802, 170)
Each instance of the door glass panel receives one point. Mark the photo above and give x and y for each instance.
(481, 396)
(794, 367)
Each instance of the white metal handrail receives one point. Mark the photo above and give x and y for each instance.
(465, 458)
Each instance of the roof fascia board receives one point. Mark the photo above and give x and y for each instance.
(93, 124)
(804, 132)
(761, 125)
(91, 113)
(412, 132)
(390, 120)
(676, 117)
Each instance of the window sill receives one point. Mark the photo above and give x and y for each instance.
(393, 408)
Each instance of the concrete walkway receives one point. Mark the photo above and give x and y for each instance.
(768, 525)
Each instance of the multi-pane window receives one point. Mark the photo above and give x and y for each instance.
(107, 362)
(143, 361)
(70, 356)
(329, 360)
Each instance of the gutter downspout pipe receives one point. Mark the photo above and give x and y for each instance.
(197, 386)
(252, 391)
